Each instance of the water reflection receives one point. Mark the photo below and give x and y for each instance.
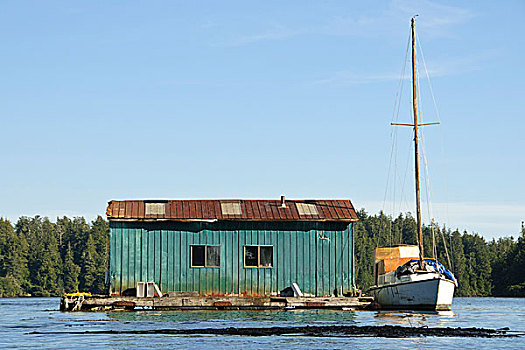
(412, 318)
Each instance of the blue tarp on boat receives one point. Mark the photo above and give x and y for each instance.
(437, 266)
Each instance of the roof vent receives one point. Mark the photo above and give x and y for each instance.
(283, 202)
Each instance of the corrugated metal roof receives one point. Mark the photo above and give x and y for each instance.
(251, 210)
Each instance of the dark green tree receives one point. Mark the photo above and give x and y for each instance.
(501, 252)
(71, 271)
(44, 261)
(75, 233)
(516, 268)
(459, 263)
(88, 266)
(478, 264)
(99, 232)
(364, 251)
(13, 261)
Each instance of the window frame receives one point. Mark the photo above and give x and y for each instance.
(205, 255)
(259, 266)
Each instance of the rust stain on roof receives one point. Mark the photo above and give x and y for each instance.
(251, 210)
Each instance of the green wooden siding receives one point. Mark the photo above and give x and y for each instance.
(318, 256)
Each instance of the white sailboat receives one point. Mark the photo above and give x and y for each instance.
(410, 285)
(403, 278)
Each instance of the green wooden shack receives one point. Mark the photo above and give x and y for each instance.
(233, 247)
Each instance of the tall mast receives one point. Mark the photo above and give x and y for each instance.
(416, 126)
(416, 147)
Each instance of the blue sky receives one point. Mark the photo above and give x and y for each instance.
(207, 99)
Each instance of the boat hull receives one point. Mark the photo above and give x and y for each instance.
(427, 294)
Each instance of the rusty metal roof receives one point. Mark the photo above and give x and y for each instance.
(251, 210)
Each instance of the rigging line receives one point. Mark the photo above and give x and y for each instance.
(439, 119)
(404, 179)
(446, 249)
(430, 208)
(403, 200)
(428, 77)
(392, 160)
(428, 185)
(434, 250)
(442, 146)
(450, 242)
(427, 182)
(428, 191)
(403, 193)
(425, 162)
(393, 138)
(423, 155)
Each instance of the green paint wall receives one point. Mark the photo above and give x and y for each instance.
(318, 256)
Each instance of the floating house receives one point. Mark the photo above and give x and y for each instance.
(232, 247)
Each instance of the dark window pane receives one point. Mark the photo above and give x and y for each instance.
(197, 255)
(250, 255)
(213, 256)
(266, 256)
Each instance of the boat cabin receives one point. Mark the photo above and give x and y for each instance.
(389, 258)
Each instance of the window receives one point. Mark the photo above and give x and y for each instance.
(258, 256)
(155, 208)
(205, 256)
(251, 256)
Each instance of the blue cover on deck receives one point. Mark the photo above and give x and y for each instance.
(437, 266)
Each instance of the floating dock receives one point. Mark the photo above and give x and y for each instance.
(125, 303)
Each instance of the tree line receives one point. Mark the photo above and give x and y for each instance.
(42, 258)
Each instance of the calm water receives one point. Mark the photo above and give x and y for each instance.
(22, 316)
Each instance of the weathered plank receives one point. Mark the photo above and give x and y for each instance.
(220, 302)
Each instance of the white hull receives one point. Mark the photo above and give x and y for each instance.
(428, 291)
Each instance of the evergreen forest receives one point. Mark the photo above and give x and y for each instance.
(43, 258)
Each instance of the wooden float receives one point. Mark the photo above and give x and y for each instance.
(71, 302)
